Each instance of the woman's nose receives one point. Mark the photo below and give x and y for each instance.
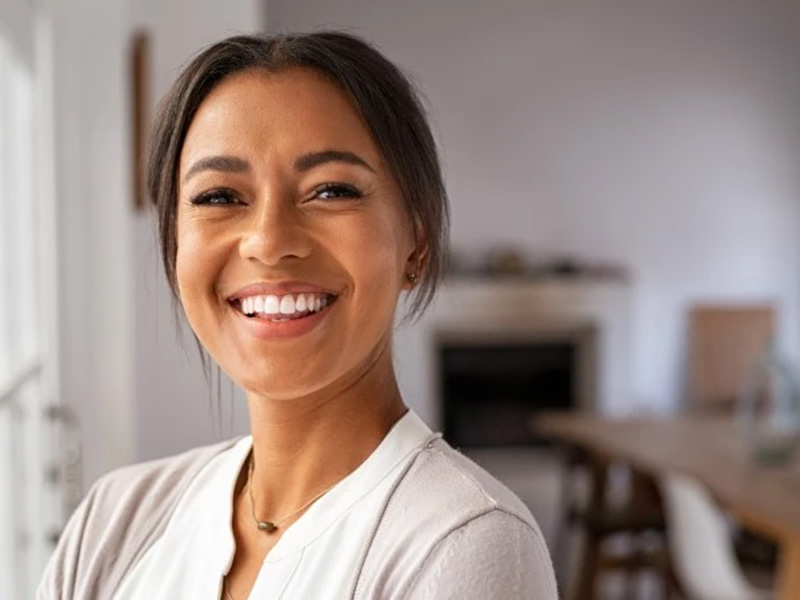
(274, 232)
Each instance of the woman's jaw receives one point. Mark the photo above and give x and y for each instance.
(369, 387)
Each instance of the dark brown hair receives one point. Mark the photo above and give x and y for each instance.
(384, 97)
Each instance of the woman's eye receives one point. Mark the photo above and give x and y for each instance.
(216, 198)
(331, 191)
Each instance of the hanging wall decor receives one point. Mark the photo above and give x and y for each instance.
(139, 65)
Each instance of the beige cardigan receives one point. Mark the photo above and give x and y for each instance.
(448, 529)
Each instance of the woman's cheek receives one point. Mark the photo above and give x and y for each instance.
(194, 269)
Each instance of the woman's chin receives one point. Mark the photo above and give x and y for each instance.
(271, 383)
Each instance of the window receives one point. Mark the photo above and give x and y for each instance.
(25, 249)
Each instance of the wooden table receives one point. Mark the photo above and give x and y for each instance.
(766, 499)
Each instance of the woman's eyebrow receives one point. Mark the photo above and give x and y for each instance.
(232, 164)
(226, 164)
(314, 159)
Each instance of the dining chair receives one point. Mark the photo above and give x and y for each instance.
(724, 342)
(700, 544)
(638, 519)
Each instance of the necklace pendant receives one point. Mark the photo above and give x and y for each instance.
(267, 526)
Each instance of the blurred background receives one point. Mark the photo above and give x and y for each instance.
(625, 241)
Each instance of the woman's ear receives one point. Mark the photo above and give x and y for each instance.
(417, 260)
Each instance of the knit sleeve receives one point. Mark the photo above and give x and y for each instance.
(61, 577)
(123, 514)
(492, 556)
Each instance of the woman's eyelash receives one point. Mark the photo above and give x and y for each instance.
(337, 190)
(327, 191)
(216, 198)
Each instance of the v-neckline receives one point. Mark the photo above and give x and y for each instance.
(407, 435)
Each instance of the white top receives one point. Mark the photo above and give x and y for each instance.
(197, 549)
(417, 520)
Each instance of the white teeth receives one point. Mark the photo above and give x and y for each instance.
(287, 305)
(272, 306)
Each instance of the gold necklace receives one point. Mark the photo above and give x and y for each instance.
(271, 526)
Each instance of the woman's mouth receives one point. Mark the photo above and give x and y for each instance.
(284, 307)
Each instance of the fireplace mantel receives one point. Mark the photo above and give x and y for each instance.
(513, 309)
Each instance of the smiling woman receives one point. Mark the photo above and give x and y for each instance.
(299, 197)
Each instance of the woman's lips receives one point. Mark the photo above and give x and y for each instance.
(277, 325)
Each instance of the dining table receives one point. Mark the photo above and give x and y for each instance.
(764, 498)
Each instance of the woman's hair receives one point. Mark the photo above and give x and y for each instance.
(383, 96)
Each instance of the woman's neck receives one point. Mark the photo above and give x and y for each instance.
(301, 447)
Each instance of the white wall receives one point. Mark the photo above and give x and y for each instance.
(93, 298)
(17, 27)
(663, 136)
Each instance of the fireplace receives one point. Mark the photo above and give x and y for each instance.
(590, 316)
(492, 383)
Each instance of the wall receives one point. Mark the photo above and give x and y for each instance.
(17, 26)
(663, 136)
(92, 294)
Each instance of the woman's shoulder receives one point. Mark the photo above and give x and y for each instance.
(444, 481)
(119, 518)
(145, 493)
(157, 479)
(447, 520)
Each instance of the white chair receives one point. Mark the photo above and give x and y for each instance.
(700, 544)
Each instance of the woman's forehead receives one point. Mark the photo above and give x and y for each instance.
(288, 113)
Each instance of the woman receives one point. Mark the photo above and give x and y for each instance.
(299, 196)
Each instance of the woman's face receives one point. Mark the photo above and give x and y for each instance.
(293, 244)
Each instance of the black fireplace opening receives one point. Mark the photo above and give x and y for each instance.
(491, 392)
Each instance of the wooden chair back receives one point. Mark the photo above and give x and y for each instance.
(724, 344)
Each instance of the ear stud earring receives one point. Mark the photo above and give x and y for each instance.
(412, 277)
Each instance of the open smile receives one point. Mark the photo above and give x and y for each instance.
(282, 308)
